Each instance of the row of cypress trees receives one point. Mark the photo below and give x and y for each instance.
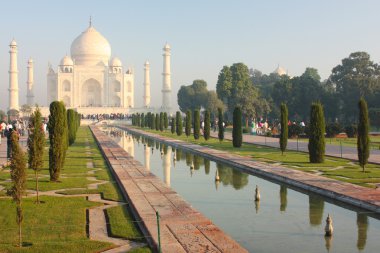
(154, 121)
(317, 144)
(62, 132)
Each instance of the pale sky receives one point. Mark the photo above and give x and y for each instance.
(204, 36)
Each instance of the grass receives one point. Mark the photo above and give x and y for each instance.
(122, 229)
(336, 168)
(59, 224)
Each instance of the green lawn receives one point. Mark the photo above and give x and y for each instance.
(336, 168)
(59, 224)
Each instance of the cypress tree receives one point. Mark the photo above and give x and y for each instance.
(179, 123)
(161, 121)
(18, 176)
(363, 137)
(56, 127)
(152, 121)
(142, 123)
(157, 122)
(65, 131)
(172, 125)
(317, 134)
(36, 143)
(237, 137)
(284, 128)
(197, 124)
(71, 125)
(206, 130)
(188, 123)
(166, 121)
(220, 125)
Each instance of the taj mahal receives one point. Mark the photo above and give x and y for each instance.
(90, 80)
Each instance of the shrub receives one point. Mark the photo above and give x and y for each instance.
(206, 130)
(333, 129)
(363, 137)
(179, 123)
(188, 123)
(351, 131)
(197, 124)
(284, 128)
(294, 130)
(220, 125)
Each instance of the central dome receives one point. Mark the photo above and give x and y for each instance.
(90, 48)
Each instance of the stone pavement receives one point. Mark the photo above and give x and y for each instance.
(345, 192)
(331, 150)
(183, 229)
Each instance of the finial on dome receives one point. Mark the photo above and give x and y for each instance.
(90, 23)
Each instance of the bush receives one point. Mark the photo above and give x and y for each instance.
(188, 123)
(220, 125)
(363, 137)
(172, 125)
(245, 130)
(206, 130)
(333, 129)
(351, 131)
(284, 128)
(179, 123)
(294, 130)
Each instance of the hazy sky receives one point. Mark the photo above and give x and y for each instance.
(204, 36)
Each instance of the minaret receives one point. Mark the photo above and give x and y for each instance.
(167, 85)
(29, 83)
(146, 84)
(13, 77)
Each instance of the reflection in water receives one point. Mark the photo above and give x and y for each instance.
(167, 164)
(207, 166)
(198, 161)
(316, 206)
(147, 158)
(229, 176)
(257, 206)
(283, 198)
(362, 223)
(178, 154)
(328, 242)
(189, 159)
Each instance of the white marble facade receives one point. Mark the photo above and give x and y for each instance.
(90, 78)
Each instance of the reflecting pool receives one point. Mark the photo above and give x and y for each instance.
(285, 220)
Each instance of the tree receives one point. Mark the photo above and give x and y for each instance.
(188, 123)
(284, 128)
(197, 124)
(179, 123)
(166, 120)
(206, 130)
(71, 125)
(36, 143)
(317, 134)
(220, 125)
(224, 85)
(152, 121)
(192, 96)
(157, 123)
(357, 76)
(142, 123)
(363, 137)
(172, 125)
(161, 121)
(212, 102)
(237, 137)
(18, 176)
(57, 137)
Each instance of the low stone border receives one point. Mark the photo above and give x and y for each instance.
(183, 229)
(347, 193)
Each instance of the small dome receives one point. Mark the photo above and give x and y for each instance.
(280, 71)
(67, 61)
(13, 43)
(30, 60)
(90, 48)
(115, 62)
(167, 46)
(146, 63)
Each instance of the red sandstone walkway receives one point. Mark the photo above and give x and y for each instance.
(348, 193)
(331, 150)
(183, 229)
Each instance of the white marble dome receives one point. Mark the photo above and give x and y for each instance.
(280, 71)
(116, 62)
(90, 48)
(67, 61)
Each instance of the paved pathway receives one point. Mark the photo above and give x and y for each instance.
(331, 150)
(183, 229)
(348, 193)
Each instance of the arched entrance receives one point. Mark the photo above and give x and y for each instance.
(91, 93)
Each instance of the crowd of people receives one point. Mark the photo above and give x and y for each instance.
(106, 116)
